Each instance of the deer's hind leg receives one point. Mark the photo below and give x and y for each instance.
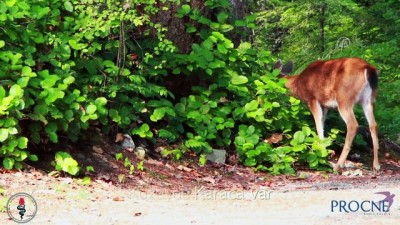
(368, 108)
(349, 118)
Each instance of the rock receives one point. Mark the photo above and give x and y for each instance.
(159, 149)
(355, 157)
(140, 153)
(128, 143)
(353, 173)
(217, 156)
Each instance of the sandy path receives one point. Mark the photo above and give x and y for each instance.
(108, 205)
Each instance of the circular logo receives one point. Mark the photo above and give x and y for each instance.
(21, 207)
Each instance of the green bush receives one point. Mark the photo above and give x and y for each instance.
(65, 64)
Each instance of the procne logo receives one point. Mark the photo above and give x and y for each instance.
(366, 206)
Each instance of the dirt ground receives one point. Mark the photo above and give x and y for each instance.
(65, 201)
(169, 192)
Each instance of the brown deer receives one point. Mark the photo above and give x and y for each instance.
(338, 83)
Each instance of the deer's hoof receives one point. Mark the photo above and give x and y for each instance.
(336, 168)
(376, 168)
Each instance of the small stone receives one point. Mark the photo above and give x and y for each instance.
(128, 143)
(355, 157)
(98, 150)
(217, 156)
(159, 149)
(118, 199)
(140, 153)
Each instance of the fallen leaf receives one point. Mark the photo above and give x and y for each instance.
(98, 150)
(207, 179)
(155, 162)
(118, 199)
(169, 166)
(184, 168)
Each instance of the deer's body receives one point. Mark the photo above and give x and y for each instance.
(339, 83)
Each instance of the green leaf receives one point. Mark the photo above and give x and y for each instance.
(8, 163)
(69, 80)
(114, 115)
(3, 134)
(158, 114)
(68, 6)
(51, 127)
(68, 115)
(250, 162)
(2, 93)
(16, 90)
(49, 81)
(243, 47)
(53, 95)
(250, 130)
(143, 131)
(33, 158)
(119, 156)
(90, 109)
(22, 142)
(2, 43)
(184, 10)
(276, 105)
(180, 107)
(240, 23)
(53, 137)
(237, 80)
(251, 106)
(252, 153)
(190, 29)
(22, 156)
(101, 101)
(306, 131)
(312, 157)
(298, 148)
(221, 48)
(40, 12)
(10, 3)
(222, 16)
(299, 137)
(23, 81)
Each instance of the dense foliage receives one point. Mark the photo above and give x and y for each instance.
(306, 30)
(68, 65)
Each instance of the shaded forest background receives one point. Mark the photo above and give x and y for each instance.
(187, 76)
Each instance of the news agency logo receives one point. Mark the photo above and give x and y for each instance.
(21, 207)
(368, 207)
